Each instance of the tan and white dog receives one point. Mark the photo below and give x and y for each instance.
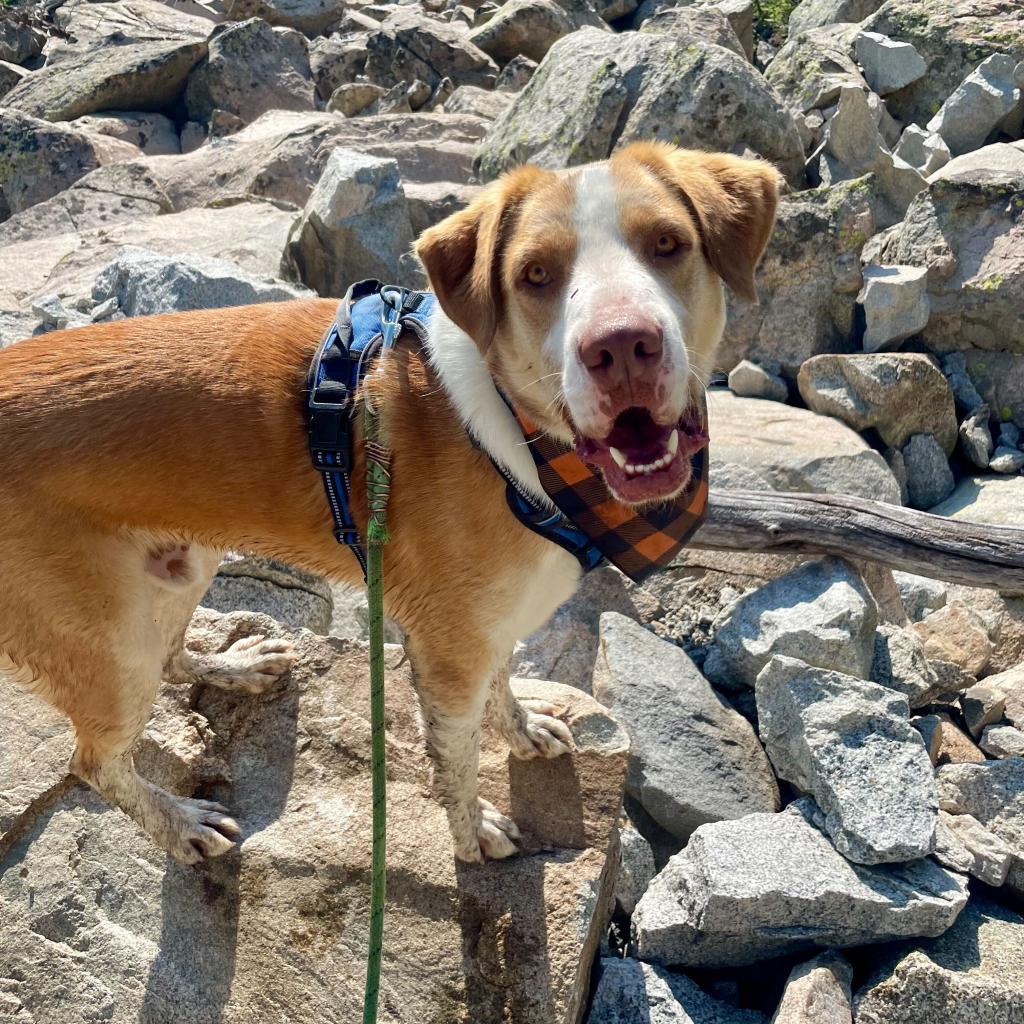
(132, 454)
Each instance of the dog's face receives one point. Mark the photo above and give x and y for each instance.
(596, 297)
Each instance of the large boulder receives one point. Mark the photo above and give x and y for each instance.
(815, 13)
(810, 71)
(595, 91)
(772, 884)
(529, 28)
(279, 929)
(794, 449)
(309, 16)
(245, 55)
(153, 134)
(967, 229)
(998, 500)
(693, 759)
(695, 24)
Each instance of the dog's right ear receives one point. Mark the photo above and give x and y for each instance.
(463, 255)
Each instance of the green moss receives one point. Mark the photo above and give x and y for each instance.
(990, 284)
(1006, 414)
(772, 16)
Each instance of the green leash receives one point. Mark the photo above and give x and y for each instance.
(378, 489)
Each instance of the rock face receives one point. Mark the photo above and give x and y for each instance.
(817, 992)
(895, 303)
(821, 614)
(826, 732)
(594, 91)
(812, 13)
(769, 885)
(355, 225)
(889, 64)
(291, 905)
(810, 71)
(310, 16)
(529, 28)
(985, 499)
(693, 759)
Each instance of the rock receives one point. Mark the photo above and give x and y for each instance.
(930, 728)
(981, 706)
(294, 766)
(895, 302)
(84, 29)
(976, 438)
(470, 99)
(353, 98)
(146, 282)
(355, 226)
(153, 134)
(695, 24)
(956, 746)
(986, 499)
(897, 394)
(636, 869)
(772, 884)
(821, 614)
(149, 75)
(900, 664)
(1006, 460)
(39, 160)
(817, 992)
(529, 28)
(953, 37)
(309, 16)
(693, 759)
(335, 61)
(978, 105)
(630, 991)
(927, 151)
(920, 595)
(889, 64)
(815, 13)
(595, 91)
(748, 380)
(929, 480)
(992, 792)
(958, 634)
(20, 40)
(291, 596)
(1002, 741)
(826, 732)
(796, 450)
(241, 55)
(964, 845)
(409, 45)
(1010, 686)
(807, 281)
(10, 76)
(514, 76)
(954, 366)
(810, 71)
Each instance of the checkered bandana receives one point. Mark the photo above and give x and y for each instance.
(636, 541)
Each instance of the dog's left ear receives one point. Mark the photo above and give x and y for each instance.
(733, 200)
(462, 255)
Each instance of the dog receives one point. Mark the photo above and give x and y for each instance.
(134, 453)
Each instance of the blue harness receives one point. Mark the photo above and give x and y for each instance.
(369, 318)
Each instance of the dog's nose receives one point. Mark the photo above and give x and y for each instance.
(628, 350)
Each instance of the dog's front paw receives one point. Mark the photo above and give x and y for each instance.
(494, 840)
(540, 734)
(254, 663)
(198, 829)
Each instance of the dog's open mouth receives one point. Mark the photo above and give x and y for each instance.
(641, 460)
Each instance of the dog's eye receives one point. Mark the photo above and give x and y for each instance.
(665, 245)
(537, 275)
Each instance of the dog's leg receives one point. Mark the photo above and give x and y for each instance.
(452, 700)
(250, 665)
(529, 727)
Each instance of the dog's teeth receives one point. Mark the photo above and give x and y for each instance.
(620, 459)
(630, 468)
(673, 443)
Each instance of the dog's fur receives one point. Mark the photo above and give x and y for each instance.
(133, 453)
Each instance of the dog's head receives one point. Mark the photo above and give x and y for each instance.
(596, 297)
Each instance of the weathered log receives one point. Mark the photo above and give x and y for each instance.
(974, 554)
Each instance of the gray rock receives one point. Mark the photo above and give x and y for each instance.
(20, 40)
(821, 614)
(154, 134)
(898, 394)
(10, 76)
(811, 70)
(595, 91)
(1009, 435)
(815, 13)
(688, 25)
(309, 16)
(772, 884)
(636, 868)
(145, 282)
(693, 759)
(355, 225)
(629, 991)
(529, 28)
(352, 98)
(889, 64)
(973, 974)
(929, 479)
(919, 593)
(148, 75)
(514, 76)
(796, 450)
(954, 366)
(1010, 686)
(964, 844)
(927, 151)
(748, 380)
(409, 45)
(817, 992)
(242, 54)
(930, 728)
(1006, 460)
(986, 499)
(826, 732)
(978, 105)
(470, 99)
(85, 29)
(901, 664)
(335, 61)
(895, 302)
(982, 706)
(976, 438)
(1002, 741)
(992, 792)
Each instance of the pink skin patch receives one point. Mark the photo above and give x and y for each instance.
(171, 563)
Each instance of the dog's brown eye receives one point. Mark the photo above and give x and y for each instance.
(537, 275)
(665, 245)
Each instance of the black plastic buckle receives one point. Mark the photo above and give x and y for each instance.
(330, 433)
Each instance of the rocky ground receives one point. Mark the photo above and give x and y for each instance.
(798, 793)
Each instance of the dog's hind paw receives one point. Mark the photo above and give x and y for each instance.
(199, 829)
(540, 734)
(252, 664)
(495, 837)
